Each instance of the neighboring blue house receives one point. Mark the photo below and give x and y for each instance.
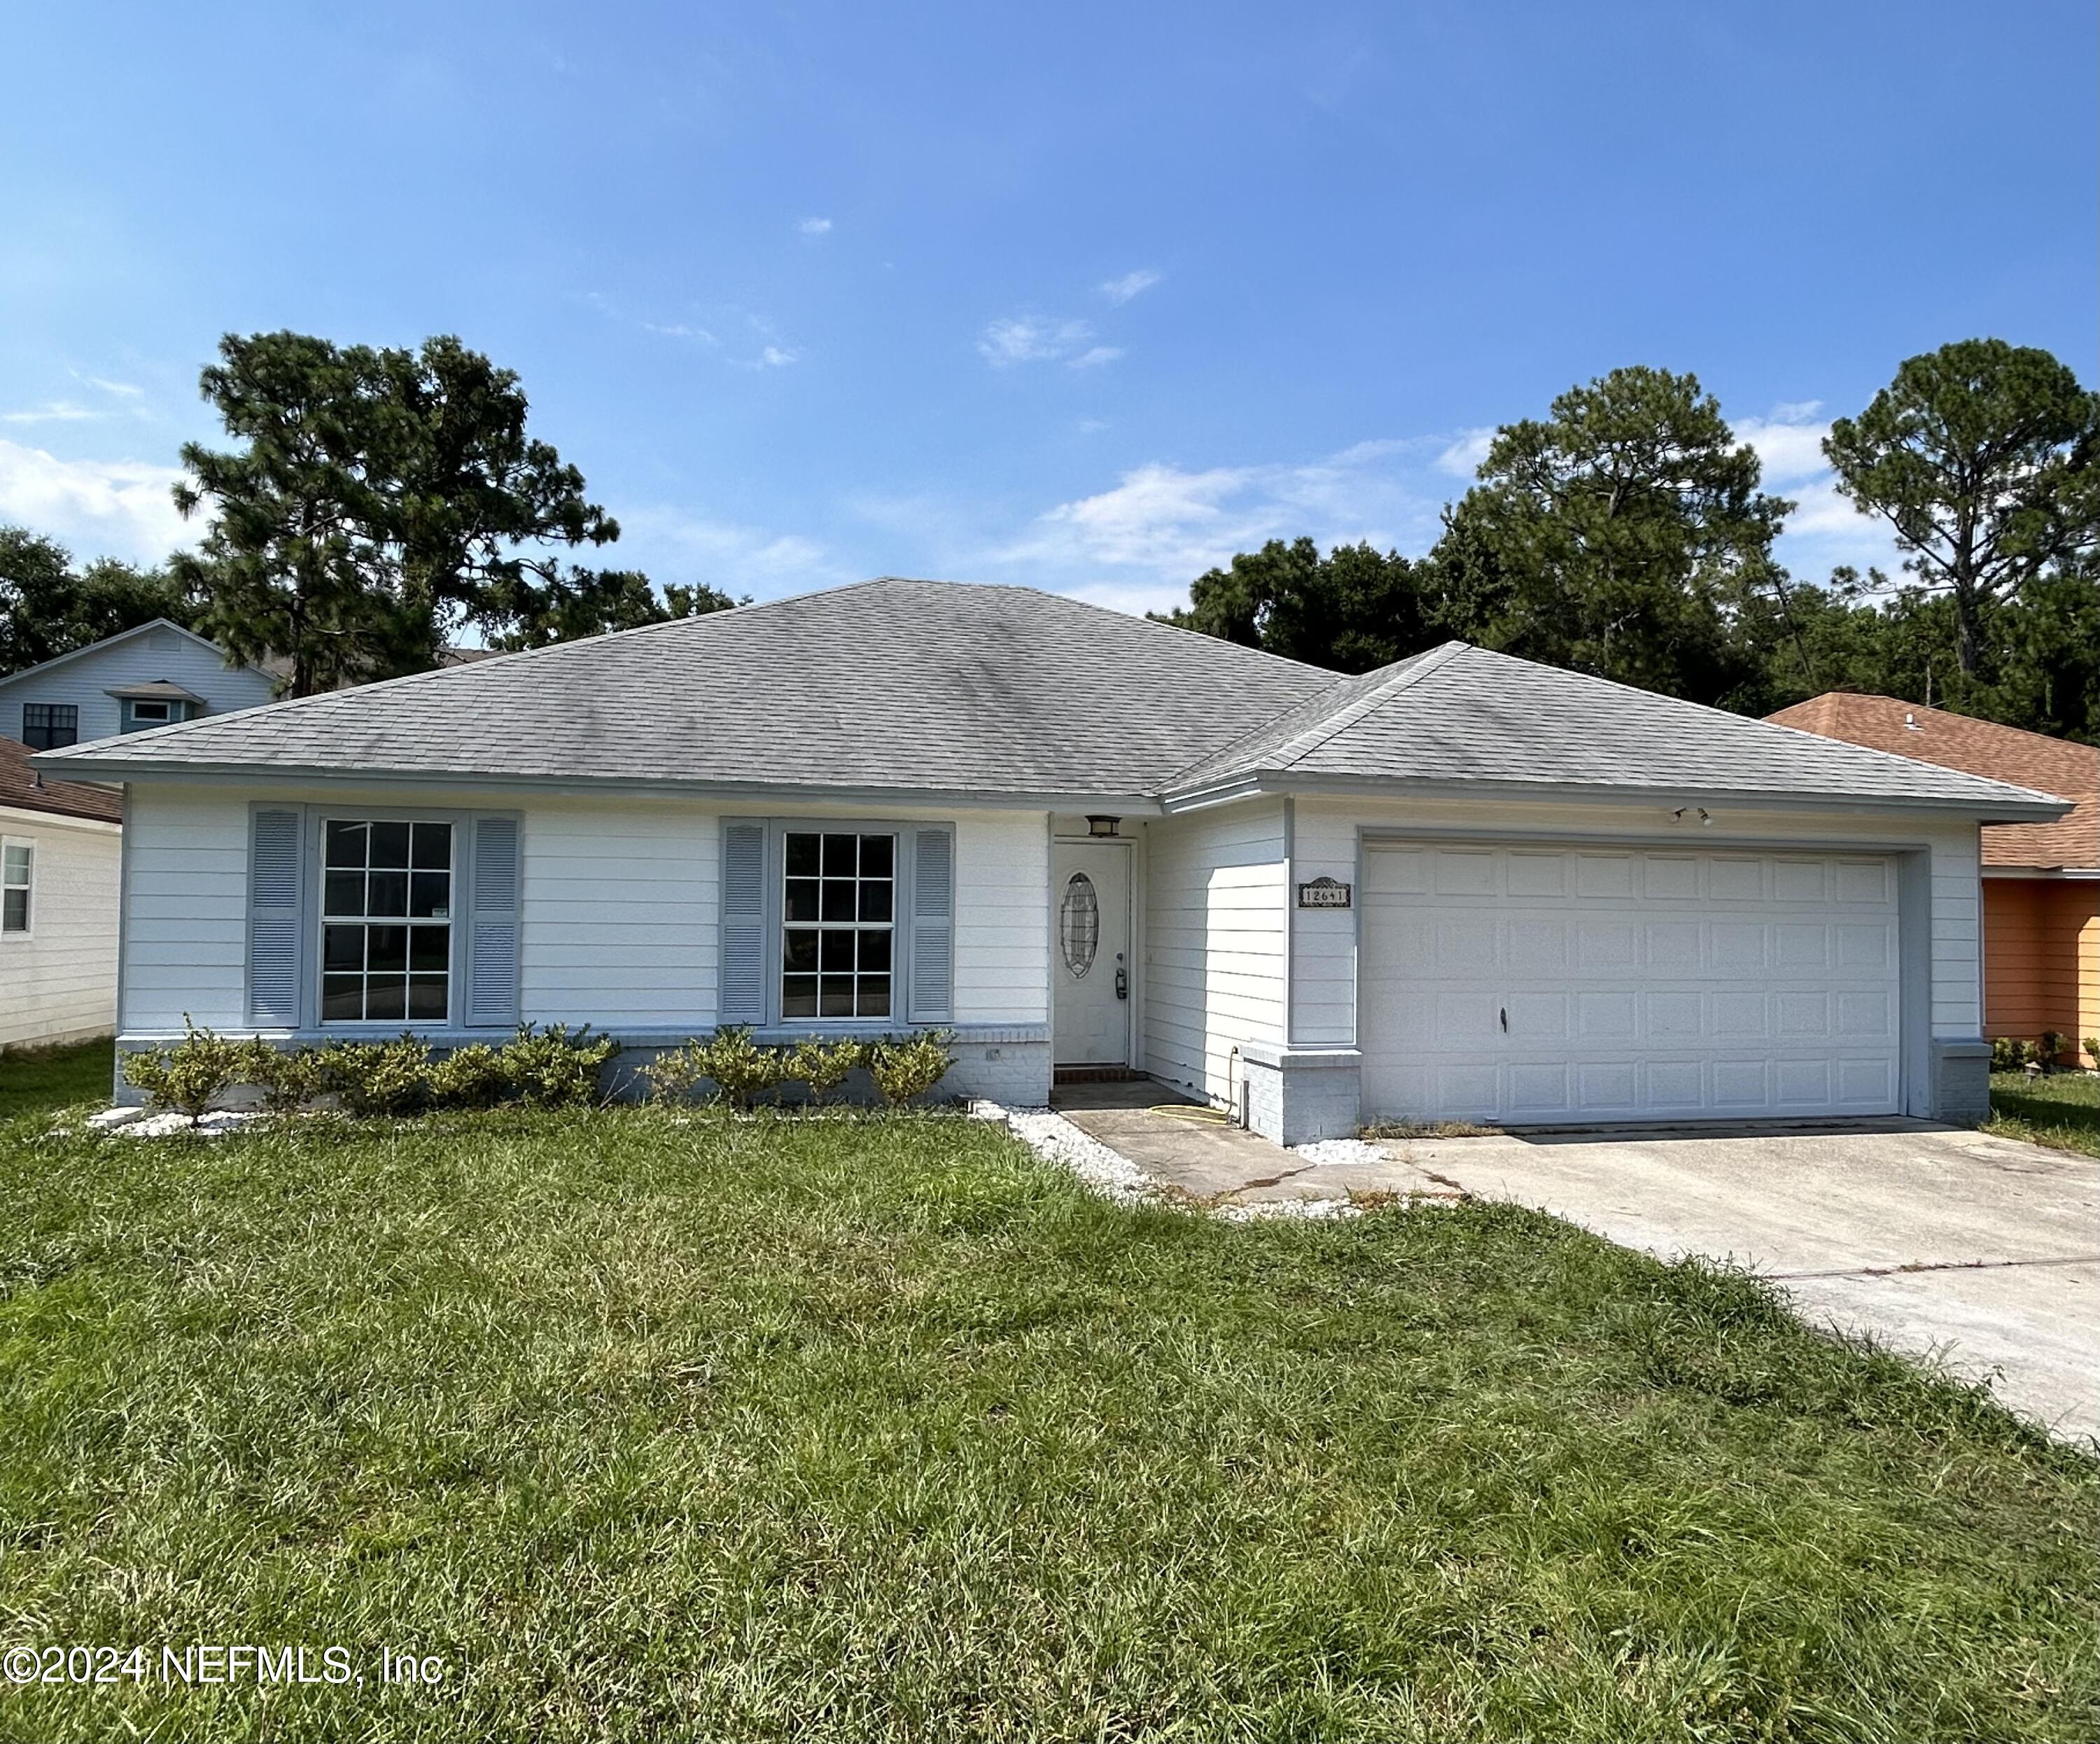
(153, 675)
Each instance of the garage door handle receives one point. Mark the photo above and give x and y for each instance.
(1505, 1019)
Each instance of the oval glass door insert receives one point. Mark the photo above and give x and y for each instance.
(1079, 924)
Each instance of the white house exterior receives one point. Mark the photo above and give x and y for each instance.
(1463, 886)
(148, 676)
(60, 848)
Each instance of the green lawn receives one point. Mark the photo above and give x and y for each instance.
(33, 1079)
(2061, 1109)
(885, 1430)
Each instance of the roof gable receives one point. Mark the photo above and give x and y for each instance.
(118, 640)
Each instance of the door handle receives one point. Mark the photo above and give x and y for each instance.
(1505, 1019)
(1123, 978)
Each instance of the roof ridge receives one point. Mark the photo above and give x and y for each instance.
(1413, 670)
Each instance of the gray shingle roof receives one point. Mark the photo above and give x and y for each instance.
(900, 686)
(1466, 715)
(888, 685)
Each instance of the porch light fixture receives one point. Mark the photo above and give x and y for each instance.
(1101, 826)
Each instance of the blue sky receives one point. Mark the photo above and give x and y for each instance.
(1083, 297)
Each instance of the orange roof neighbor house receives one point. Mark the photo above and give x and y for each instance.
(2041, 882)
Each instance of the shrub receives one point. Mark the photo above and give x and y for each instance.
(191, 1076)
(736, 1067)
(673, 1074)
(551, 1069)
(474, 1076)
(2052, 1049)
(905, 1067)
(2008, 1054)
(378, 1077)
(287, 1078)
(823, 1066)
(2093, 1049)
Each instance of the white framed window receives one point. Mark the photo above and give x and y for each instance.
(386, 920)
(838, 922)
(18, 877)
(141, 713)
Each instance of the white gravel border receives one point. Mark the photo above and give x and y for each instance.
(1333, 1150)
(1053, 1138)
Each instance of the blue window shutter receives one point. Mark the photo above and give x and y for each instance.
(933, 946)
(493, 928)
(276, 906)
(742, 975)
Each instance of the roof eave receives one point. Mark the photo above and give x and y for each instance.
(1255, 782)
(112, 769)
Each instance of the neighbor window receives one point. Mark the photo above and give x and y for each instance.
(141, 713)
(386, 908)
(50, 726)
(838, 912)
(18, 862)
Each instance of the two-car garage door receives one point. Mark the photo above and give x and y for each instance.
(1534, 985)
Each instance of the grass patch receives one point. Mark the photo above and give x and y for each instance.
(2060, 1109)
(885, 1430)
(36, 1080)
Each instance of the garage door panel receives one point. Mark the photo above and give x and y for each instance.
(1767, 984)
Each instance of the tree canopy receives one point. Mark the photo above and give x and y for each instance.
(382, 501)
(1985, 458)
(1627, 533)
(50, 606)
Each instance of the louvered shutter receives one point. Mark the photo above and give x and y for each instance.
(492, 924)
(742, 972)
(276, 894)
(933, 994)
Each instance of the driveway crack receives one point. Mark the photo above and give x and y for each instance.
(1911, 1266)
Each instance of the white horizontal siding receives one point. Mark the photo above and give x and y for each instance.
(57, 982)
(1215, 922)
(161, 654)
(1324, 840)
(619, 908)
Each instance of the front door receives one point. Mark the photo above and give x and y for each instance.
(1090, 952)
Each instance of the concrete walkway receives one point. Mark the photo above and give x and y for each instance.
(1982, 1253)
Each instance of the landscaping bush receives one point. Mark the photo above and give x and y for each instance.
(287, 1078)
(551, 1069)
(2093, 1049)
(905, 1067)
(672, 1075)
(191, 1076)
(736, 1067)
(2052, 1049)
(378, 1077)
(2009, 1054)
(474, 1076)
(823, 1066)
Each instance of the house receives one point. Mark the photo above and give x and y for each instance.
(2041, 882)
(148, 676)
(1461, 885)
(60, 848)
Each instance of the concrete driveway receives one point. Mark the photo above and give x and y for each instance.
(1984, 1252)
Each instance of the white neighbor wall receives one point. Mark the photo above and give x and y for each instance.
(160, 653)
(620, 916)
(1215, 937)
(57, 982)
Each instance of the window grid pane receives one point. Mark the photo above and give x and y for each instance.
(50, 726)
(837, 904)
(387, 937)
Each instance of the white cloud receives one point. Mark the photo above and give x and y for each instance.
(119, 507)
(1096, 355)
(774, 357)
(1824, 530)
(679, 330)
(1029, 339)
(1463, 458)
(51, 412)
(815, 226)
(1130, 285)
(122, 390)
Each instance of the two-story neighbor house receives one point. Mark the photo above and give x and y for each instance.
(59, 841)
(152, 675)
